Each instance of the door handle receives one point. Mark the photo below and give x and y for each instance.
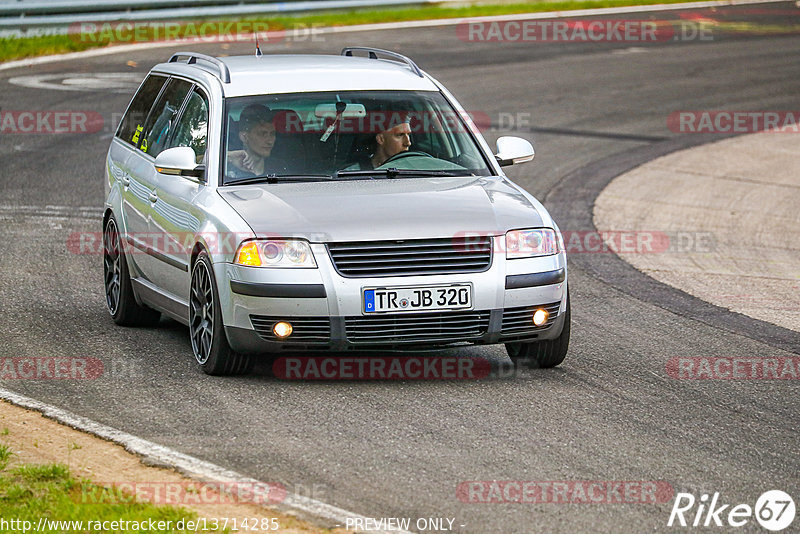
(121, 175)
(153, 196)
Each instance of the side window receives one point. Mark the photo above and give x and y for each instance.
(192, 128)
(160, 123)
(130, 129)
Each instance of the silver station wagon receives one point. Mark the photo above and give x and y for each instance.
(321, 202)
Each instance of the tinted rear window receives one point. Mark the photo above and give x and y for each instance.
(133, 122)
(161, 121)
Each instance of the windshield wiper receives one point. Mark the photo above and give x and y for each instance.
(398, 173)
(275, 178)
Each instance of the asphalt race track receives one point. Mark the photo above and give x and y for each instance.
(611, 412)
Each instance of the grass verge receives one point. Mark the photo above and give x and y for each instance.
(29, 492)
(75, 476)
(18, 48)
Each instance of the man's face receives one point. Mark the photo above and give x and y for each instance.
(260, 139)
(396, 140)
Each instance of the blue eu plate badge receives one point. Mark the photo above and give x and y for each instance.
(369, 300)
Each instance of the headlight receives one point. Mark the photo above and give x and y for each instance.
(275, 253)
(531, 243)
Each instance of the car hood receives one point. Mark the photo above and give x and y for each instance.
(365, 210)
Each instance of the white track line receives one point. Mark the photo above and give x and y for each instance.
(121, 49)
(185, 464)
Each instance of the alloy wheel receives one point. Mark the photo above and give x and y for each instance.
(111, 266)
(201, 312)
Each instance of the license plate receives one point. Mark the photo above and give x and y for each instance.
(405, 299)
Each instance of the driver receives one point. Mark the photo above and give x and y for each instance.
(387, 143)
(390, 143)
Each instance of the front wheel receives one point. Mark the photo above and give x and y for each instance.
(206, 331)
(546, 353)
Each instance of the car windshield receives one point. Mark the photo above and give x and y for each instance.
(347, 136)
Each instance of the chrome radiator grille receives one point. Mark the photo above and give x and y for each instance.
(359, 259)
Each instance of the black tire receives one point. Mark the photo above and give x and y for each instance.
(543, 354)
(120, 301)
(206, 330)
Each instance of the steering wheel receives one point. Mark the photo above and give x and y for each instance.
(406, 154)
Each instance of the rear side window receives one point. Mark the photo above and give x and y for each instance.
(161, 122)
(192, 128)
(130, 129)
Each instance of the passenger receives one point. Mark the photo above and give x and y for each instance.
(257, 134)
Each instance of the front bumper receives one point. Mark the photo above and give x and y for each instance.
(326, 308)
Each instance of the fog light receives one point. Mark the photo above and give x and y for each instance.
(282, 329)
(539, 317)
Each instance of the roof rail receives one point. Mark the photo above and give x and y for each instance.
(373, 54)
(224, 72)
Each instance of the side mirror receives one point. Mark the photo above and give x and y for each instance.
(179, 161)
(511, 150)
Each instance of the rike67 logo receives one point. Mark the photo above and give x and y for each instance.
(774, 510)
